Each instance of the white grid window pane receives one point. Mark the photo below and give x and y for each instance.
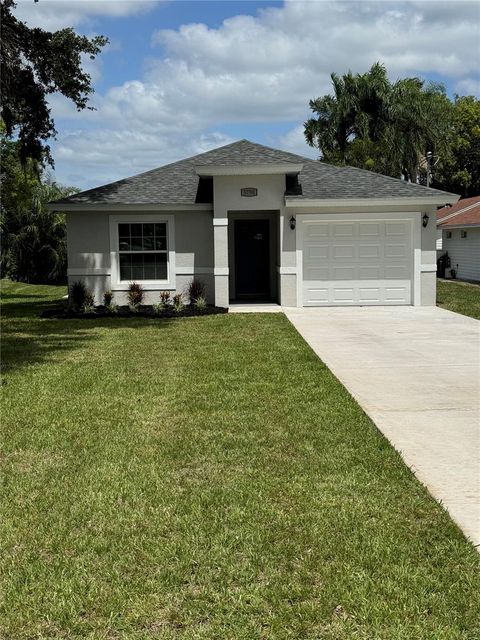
(134, 240)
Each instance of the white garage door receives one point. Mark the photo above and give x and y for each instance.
(357, 263)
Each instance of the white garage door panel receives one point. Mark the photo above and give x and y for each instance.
(357, 263)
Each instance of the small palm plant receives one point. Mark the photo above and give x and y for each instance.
(200, 303)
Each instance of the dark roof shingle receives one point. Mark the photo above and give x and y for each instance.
(177, 183)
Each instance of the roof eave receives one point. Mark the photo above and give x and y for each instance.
(458, 225)
(434, 200)
(247, 169)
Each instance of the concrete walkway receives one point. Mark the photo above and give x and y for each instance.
(259, 307)
(416, 372)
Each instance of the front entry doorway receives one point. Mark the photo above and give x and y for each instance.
(252, 259)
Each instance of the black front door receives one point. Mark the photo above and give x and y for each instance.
(252, 259)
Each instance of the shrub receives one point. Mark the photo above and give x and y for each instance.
(164, 300)
(200, 303)
(158, 307)
(78, 292)
(108, 298)
(89, 303)
(178, 304)
(196, 289)
(135, 295)
(109, 303)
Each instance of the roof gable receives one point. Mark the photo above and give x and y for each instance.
(464, 212)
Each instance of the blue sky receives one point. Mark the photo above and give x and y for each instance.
(182, 77)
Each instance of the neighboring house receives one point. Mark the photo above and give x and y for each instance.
(458, 229)
(256, 223)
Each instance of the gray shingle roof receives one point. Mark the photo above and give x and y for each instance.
(177, 183)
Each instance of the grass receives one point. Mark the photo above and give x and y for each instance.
(208, 478)
(461, 297)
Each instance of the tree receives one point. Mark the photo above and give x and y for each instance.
(374, 124)
(33, 238)
(36, 63)
(458, 168)
(355, 111)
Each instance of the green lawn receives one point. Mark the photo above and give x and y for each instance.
(208, 478)
(461, 297)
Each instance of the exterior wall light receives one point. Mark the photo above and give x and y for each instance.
(425, 220)
(293, 223)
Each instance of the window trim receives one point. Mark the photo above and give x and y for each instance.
(463, 234)
(115, 221)
(448, 235)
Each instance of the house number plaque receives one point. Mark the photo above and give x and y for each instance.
(249, 192)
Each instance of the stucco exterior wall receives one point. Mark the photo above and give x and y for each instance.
(88, 242)
(88, 238)
(151, 296)
(203, 243)
(428, 283)
(229, 204)
(429, 239)
(97, 284)
(428, 267)
(227, 193)
(288, 290)
(193, 240)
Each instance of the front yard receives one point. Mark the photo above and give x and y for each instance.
(461, 297)
(208, 478)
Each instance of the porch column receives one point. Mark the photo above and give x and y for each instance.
(220, 252)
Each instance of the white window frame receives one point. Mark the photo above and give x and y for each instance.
(448, 235)
(122, 285)
(463, 234)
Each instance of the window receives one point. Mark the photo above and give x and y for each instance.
(463, 234)
(449, 234)
(143, 251)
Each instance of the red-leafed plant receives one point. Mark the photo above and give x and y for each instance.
(135, 295)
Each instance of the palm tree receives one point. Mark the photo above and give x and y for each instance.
(355, 111)
(333, 126)
(33, 238)
(371, 123)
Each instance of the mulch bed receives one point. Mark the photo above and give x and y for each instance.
(124, 312)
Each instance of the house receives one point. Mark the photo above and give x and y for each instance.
(458, 234)
(255, 223)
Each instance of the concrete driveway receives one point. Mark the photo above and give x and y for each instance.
(416, 372)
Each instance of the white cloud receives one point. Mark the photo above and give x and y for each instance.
(294, 141)
(265, 69)
(57, 14)
(89, 158)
